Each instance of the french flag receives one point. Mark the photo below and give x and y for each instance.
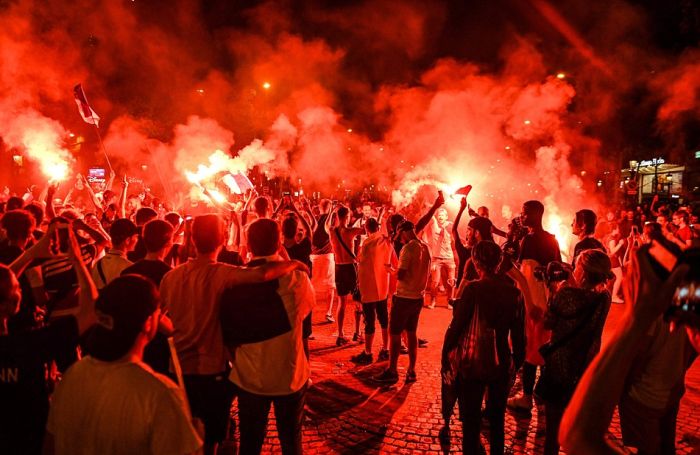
(238, 183)
(84, 107)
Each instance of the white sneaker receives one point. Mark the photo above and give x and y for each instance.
(521, 402)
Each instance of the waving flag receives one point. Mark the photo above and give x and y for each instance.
(84, 107)
(238, 182)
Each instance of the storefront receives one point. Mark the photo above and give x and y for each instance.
(643, 179)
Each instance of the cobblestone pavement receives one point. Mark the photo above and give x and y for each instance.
(347, 413)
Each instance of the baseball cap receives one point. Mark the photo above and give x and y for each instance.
(122, 308)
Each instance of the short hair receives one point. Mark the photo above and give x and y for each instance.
(18, 224)
(122, 308)
(486, 256)
(157, 234)
(144, 215)
(14, 203)
(682, 214)
(37, 212)
(596, 265)
(324, 204)
(372, 225)
(395, 220)
(535, 208)
(343, 211)
(121, 230)
(208, 233)
(588, 219)
(261, 205)
(263, 237)
(173, 218)
(290, 226)
(441, 209)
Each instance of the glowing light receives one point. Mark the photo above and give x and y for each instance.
(217, 196)
(349, 130)
(556, 226)
(217, 162)
(200, 91)
(266, 85)
(561, 76)
(17, 159)
(55, 171)
(527, 122)
(71, 135)
(583, 173)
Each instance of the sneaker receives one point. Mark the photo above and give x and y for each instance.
(520, 403)
(383, 355)
(403, 350)
(387, 377)
(411, 377)
(358, 338)
(362, 358)
(422, 342)
(340, 341)
(330, 318)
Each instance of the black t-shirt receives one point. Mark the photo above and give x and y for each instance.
(301, 251)
(154, 270)
(540, 246)
(463, 255)
(139, 252)
(229, 257)
(24, 385)
(589, 243)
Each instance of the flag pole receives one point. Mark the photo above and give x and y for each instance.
(102, 145)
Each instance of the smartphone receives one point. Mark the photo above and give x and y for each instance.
(286, 193)
(63, 240)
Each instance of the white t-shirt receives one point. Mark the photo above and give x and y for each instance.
(111, 408)
(278, 366)
(415, 260)
(112, 265)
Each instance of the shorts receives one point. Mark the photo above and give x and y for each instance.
(380, 309)
(345, 279)
(404, 314)
(323, 278)
(210, 398)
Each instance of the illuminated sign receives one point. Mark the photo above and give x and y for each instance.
(653, 162)
(697, 154)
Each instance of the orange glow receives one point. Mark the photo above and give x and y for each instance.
(266, 85)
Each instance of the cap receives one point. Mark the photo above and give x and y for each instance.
(122, 308)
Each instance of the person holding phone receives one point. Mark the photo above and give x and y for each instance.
(642, 367)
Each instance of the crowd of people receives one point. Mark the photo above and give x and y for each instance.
(126, 327)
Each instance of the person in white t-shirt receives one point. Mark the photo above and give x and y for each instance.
(111, 402)
(124, 234)
(413, 274)
(262, 326)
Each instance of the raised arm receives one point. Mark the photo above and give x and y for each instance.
(302, 220)
(587, 418)
(91, 193)
(267, 272)
(88, 291)
(458, 218)
(425, 219)
(122, 198)
(50, 193)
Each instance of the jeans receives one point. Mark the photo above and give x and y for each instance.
(470, 395)
(253, 410)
